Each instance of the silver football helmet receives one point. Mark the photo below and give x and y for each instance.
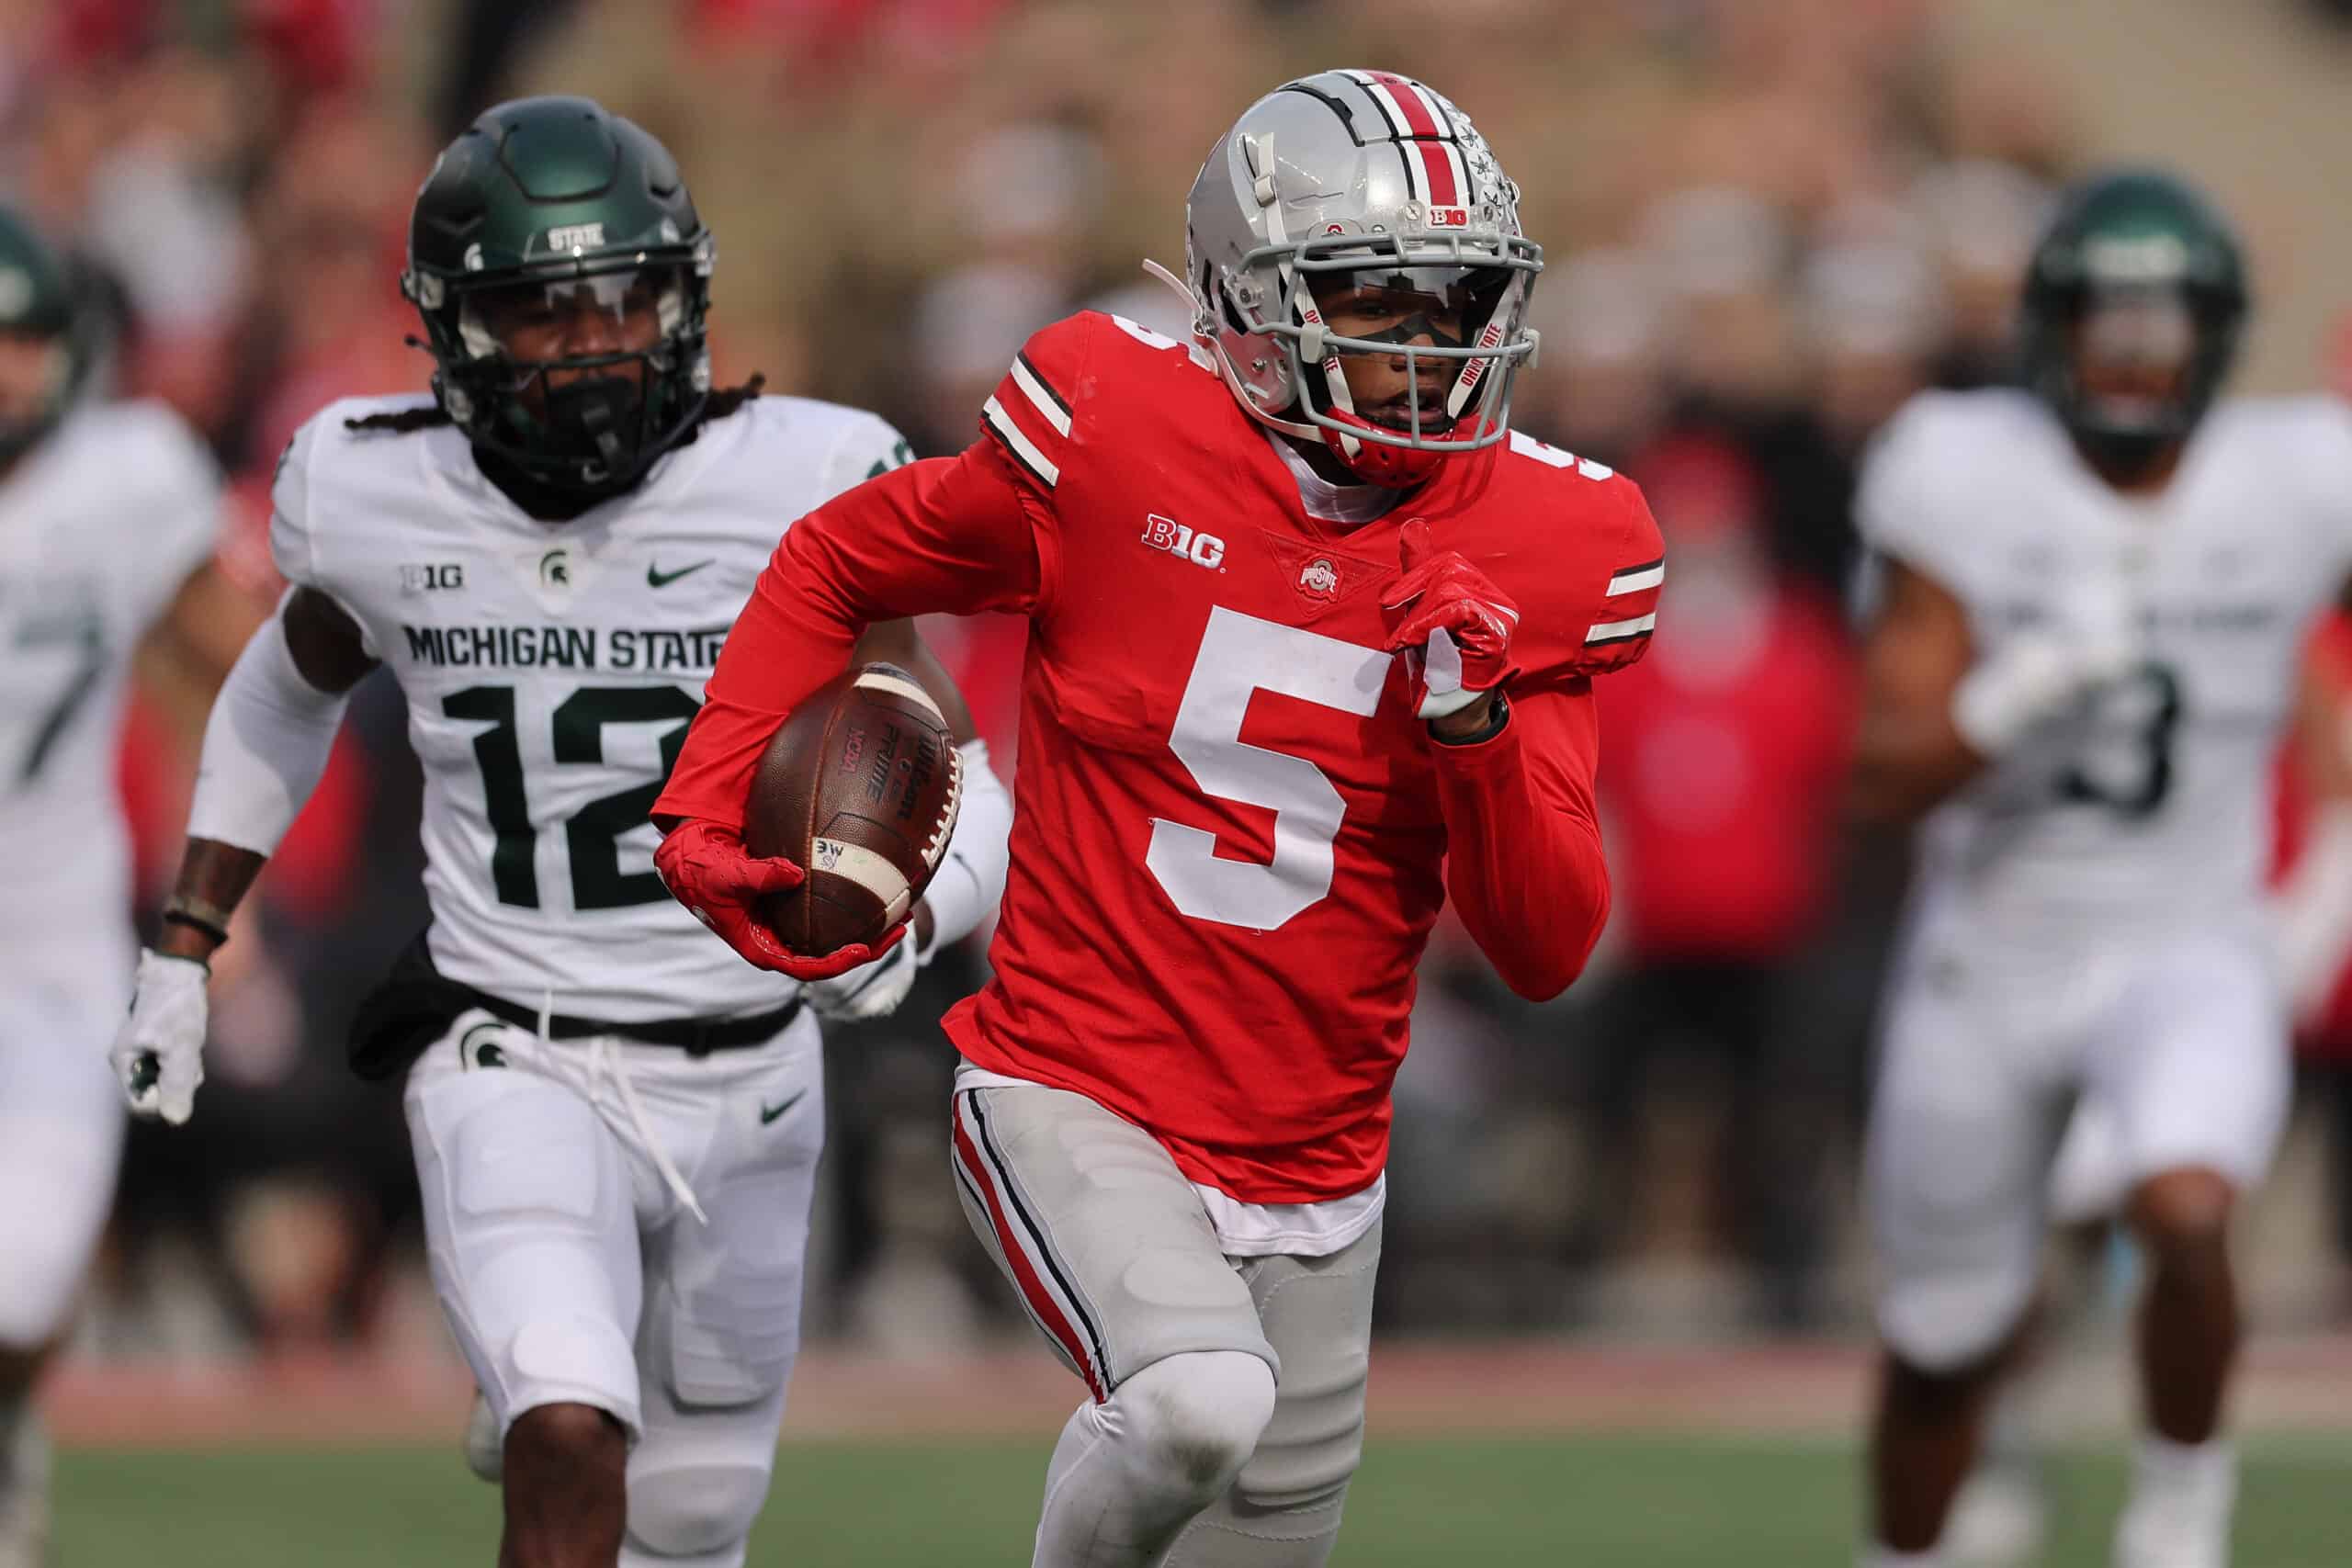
(1368, 173)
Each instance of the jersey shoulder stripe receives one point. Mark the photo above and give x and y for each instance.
(1035, 409)
(1585, 559)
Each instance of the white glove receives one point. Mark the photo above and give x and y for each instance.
(870, 990)
(158, 1054)
(2093, 642)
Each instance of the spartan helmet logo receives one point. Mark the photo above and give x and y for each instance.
(555, 569)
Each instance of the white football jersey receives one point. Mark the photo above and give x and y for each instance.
(550, 669)
(100, 524)
(2156, 807)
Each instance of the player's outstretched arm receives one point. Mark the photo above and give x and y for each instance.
(265, 749)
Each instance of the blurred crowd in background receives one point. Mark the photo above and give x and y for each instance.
(1766, 225)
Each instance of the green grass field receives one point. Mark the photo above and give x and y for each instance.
(1670, 1502)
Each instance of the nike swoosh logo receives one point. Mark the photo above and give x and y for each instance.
(656, 578)
(768, 1114)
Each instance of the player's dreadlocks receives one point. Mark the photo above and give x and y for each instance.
(401, 421)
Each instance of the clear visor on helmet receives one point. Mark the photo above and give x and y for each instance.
(1383, 304)
(1380, 319)
(2135, 353)
(601, 319)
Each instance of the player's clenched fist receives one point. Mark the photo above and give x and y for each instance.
(705, 867)
(1457, 625)
(158, 1054)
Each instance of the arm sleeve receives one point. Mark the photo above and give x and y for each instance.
(264, 745)
(956, 534)
(1523, 857)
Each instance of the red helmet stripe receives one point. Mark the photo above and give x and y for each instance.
(1424, 132)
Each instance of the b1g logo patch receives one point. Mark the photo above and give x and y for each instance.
(432, 577)
(1167, 533)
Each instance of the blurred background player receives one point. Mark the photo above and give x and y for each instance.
(2004, 1513)
(615, 1123)
(2093, 599)
(108, 517)
(1276, 712)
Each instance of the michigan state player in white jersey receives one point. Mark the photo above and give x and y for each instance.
(108, 517)
(2094, 592)
(615, 1120)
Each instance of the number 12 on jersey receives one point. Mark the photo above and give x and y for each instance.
(592, 834)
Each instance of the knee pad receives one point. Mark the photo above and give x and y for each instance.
(1194, 1419)
(568, 1360)
(699, 1514)
(1946, 1324)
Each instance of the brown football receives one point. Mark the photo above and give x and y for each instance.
(860, 786)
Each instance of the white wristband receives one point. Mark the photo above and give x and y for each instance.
(264, 745)
(970, 882)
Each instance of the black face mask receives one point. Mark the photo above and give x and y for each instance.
(2126, 456)
(597, 417)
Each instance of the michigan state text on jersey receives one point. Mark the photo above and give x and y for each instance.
(616, 1121)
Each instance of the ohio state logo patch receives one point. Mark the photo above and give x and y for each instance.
(1321, 577)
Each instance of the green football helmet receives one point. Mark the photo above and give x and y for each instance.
(2138, 252)
(38, 303)
(558, 199)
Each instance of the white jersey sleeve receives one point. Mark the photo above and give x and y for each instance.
(1902, 499)
(297, 542)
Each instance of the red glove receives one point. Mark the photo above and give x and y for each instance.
(842, 960)
(705, 867)
(1457, 625)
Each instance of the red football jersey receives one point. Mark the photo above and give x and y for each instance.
(1231, 832)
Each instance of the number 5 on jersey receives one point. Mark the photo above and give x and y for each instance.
(1239, 655)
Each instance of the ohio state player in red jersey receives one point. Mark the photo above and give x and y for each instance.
(1312, 638)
